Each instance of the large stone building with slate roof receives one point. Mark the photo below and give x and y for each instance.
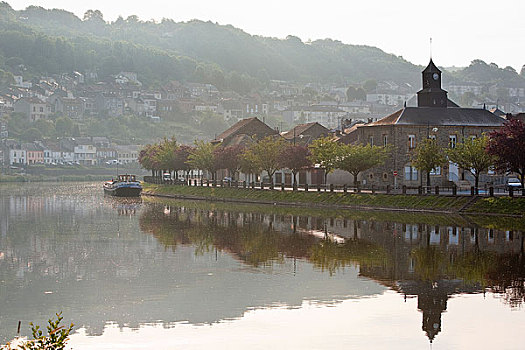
(434, 117)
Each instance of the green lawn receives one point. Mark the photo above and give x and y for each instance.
(429, 202)
(499, 205)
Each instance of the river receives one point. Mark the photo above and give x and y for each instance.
(165, 274)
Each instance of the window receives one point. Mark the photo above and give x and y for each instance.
(436, 171)
(452, 141)
(411, 141)
(385, 140)
(410, 173)
(385, 177)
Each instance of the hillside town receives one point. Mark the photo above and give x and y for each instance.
(390, 157)
(79, 96)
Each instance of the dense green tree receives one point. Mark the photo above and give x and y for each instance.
(471, 155)
(31, 134)
(358, 158)
(46, 127)
(370, 85)
(266, 154)
(202, 157)
(64, 126)
(324, 152)
(428, 156)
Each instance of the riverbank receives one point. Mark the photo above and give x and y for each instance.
(46, 173)
(47, 178)
(338, 200)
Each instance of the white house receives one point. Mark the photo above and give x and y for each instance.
(17, 156)
(85, 154)
(128, 154)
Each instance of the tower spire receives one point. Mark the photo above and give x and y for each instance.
(431, 48)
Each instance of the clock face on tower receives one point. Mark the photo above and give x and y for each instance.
(435, 76)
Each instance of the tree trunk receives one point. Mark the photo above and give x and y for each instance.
(294, 185)
(428, 181)
(476, 183)
(355, 179)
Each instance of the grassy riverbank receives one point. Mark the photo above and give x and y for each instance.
(321, 199)
(508, 206)
(499, 205)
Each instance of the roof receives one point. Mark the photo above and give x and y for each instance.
(497, 112)
(237, 128)
(441, 116)
(431, 68)
(301, 129)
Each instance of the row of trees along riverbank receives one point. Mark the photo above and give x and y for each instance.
(503, 149)
(267, 155)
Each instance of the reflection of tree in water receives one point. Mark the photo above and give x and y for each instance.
(412, 266)
(331, 256)
(508, 279)
(250, 241)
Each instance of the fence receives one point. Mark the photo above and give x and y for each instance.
(408, 190)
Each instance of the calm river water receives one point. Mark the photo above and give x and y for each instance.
(161, 274)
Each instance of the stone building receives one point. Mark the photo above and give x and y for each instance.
(434, 117)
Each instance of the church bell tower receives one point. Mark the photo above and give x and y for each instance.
(432, 95)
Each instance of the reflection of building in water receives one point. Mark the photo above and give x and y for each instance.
(427, 261)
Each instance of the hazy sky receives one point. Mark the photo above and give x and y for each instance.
(461, 30)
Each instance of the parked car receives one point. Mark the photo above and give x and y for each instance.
(166, 177)
(513, 183)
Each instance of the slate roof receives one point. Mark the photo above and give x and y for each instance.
(301, 129)
(441, 116)
(431, 68)
(238, 127)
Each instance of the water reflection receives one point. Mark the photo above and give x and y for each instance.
(431, 262)
(104, 259)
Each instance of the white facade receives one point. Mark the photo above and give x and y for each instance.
(86, 154)
(387, 99)
(127, 154)
(52, 156)
(17, 156)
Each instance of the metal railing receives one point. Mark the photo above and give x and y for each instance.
(488, 191)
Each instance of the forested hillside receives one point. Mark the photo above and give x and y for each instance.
(50, 41)
(41, 41)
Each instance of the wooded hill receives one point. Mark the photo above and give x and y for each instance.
(43, 41)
